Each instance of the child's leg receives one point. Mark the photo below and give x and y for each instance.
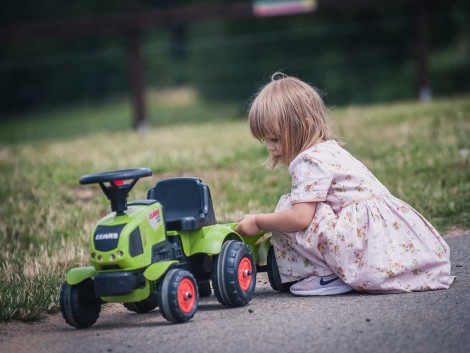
(298, 255)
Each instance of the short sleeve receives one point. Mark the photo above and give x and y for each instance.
(311, 180)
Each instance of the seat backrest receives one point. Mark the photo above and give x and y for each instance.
(187, 203)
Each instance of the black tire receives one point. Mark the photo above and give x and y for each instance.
(79, 305)
(234, 274)
(204, 289)
(143, 306)
(178, 296)
(273, 274)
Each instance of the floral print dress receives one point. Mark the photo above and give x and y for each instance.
(373, 241)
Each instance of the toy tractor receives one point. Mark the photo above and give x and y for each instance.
(163, 251)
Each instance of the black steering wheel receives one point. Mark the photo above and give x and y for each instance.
(123, 174)
(116, 192)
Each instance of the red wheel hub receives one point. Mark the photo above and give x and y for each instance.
(245, 273)
(186, 295)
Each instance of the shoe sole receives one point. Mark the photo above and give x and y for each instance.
(323, 291)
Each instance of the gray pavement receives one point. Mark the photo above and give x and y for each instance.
(427, 322)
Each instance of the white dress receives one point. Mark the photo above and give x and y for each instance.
(373, 241)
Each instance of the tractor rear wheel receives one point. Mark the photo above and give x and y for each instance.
(79, 306)
(204, 289)
(234, 274)
(178, 297)
(143, 306)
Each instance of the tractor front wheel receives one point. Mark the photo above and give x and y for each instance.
(79, 305)
(178, 297)
(234, 274)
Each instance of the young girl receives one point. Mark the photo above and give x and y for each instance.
(339, 229)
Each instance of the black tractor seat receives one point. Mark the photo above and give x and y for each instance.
(187, 203)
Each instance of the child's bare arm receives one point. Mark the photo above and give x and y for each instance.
(294, 219)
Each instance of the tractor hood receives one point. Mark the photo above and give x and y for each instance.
(119, 242)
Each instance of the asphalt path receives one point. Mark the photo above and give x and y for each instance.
(436, 321)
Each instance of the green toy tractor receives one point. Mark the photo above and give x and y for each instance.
(163, 251)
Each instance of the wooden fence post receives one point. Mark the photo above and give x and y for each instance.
(420, 9)
(137, 81)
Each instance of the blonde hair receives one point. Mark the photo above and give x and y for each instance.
(292, 111)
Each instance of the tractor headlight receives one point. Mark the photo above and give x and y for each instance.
(100, 257)
(120, 253)
(112, 257)
(93, 255)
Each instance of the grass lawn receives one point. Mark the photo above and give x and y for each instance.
(421, 152)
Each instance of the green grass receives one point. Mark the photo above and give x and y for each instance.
(421, 152)
(164, 108)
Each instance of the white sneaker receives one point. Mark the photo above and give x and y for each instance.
(328, 285)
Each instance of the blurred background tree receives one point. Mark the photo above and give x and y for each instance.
(354, 55)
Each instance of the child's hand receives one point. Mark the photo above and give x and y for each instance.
(247, 225)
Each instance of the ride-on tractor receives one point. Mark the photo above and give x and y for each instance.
(163, 251)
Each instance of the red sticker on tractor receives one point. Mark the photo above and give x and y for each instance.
(154, 218)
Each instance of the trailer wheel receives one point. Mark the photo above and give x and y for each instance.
(273, 274)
